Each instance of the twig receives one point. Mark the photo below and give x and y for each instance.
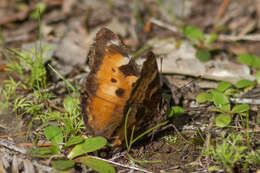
(221, 37)
(2, 67)
(251, 37)
(222, 9)
(246, 101)
(12, 135)
(164, 25)
(9, 144)
(38, 144)
(119, 164)
(42, 167)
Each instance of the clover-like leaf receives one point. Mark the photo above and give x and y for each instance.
(221, 100)
(240, 108)
(70, 104)
(193, 33)
(203, 55)
(222, 86)
(175, 110)
(223, 120)
(203, 97)
(246, 59)
(54, 134)
(245, 83)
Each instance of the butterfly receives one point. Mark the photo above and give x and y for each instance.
(115, 85)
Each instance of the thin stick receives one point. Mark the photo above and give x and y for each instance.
(222, 9)
(2, 67)
(38, 144)
(221, 37)
(122, 165)
(246, 101)
(12, 146)
(251, 37)
(164, 25)
(13, 135)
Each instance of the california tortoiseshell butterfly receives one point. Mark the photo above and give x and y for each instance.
(115, 84)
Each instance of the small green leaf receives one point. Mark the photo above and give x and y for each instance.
(62, 164)
(258, 77)
(231, 92)
(221, 100)
(213, 168)
(74, 140)
(40, 8)
(223, 120)
(212, 38)
(203, 97)
(222, 86)
(90, 145)
(70, 104)
(97, 165)
(203, 55)
(175, 110)
(54, 134)
(246, 59)
(43, 152)
(240, 108)
(256, 61)
(245, 83)
(193, 33)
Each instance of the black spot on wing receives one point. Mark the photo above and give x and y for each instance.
(113, 80)
(120, 92)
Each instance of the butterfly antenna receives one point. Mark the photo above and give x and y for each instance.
(161, 61)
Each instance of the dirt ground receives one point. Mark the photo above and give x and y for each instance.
(68, 29)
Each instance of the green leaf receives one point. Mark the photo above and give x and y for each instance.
(212, 38)
(175, 110)
(203, 55)
(258, 77)
(246, 59)
(256, 61)
(240, 108)
(222, 86)
(231, 92)
(43, 152)
(203, 97)
(250, 60)
(220, 100)
(223, 120)
(62, 164)
(97, 165)
(70, 104)
(54, 134)
(40, 8)
(213, 168)
(245, 83)
(74, 140)
(193, 33)
(89, 145)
